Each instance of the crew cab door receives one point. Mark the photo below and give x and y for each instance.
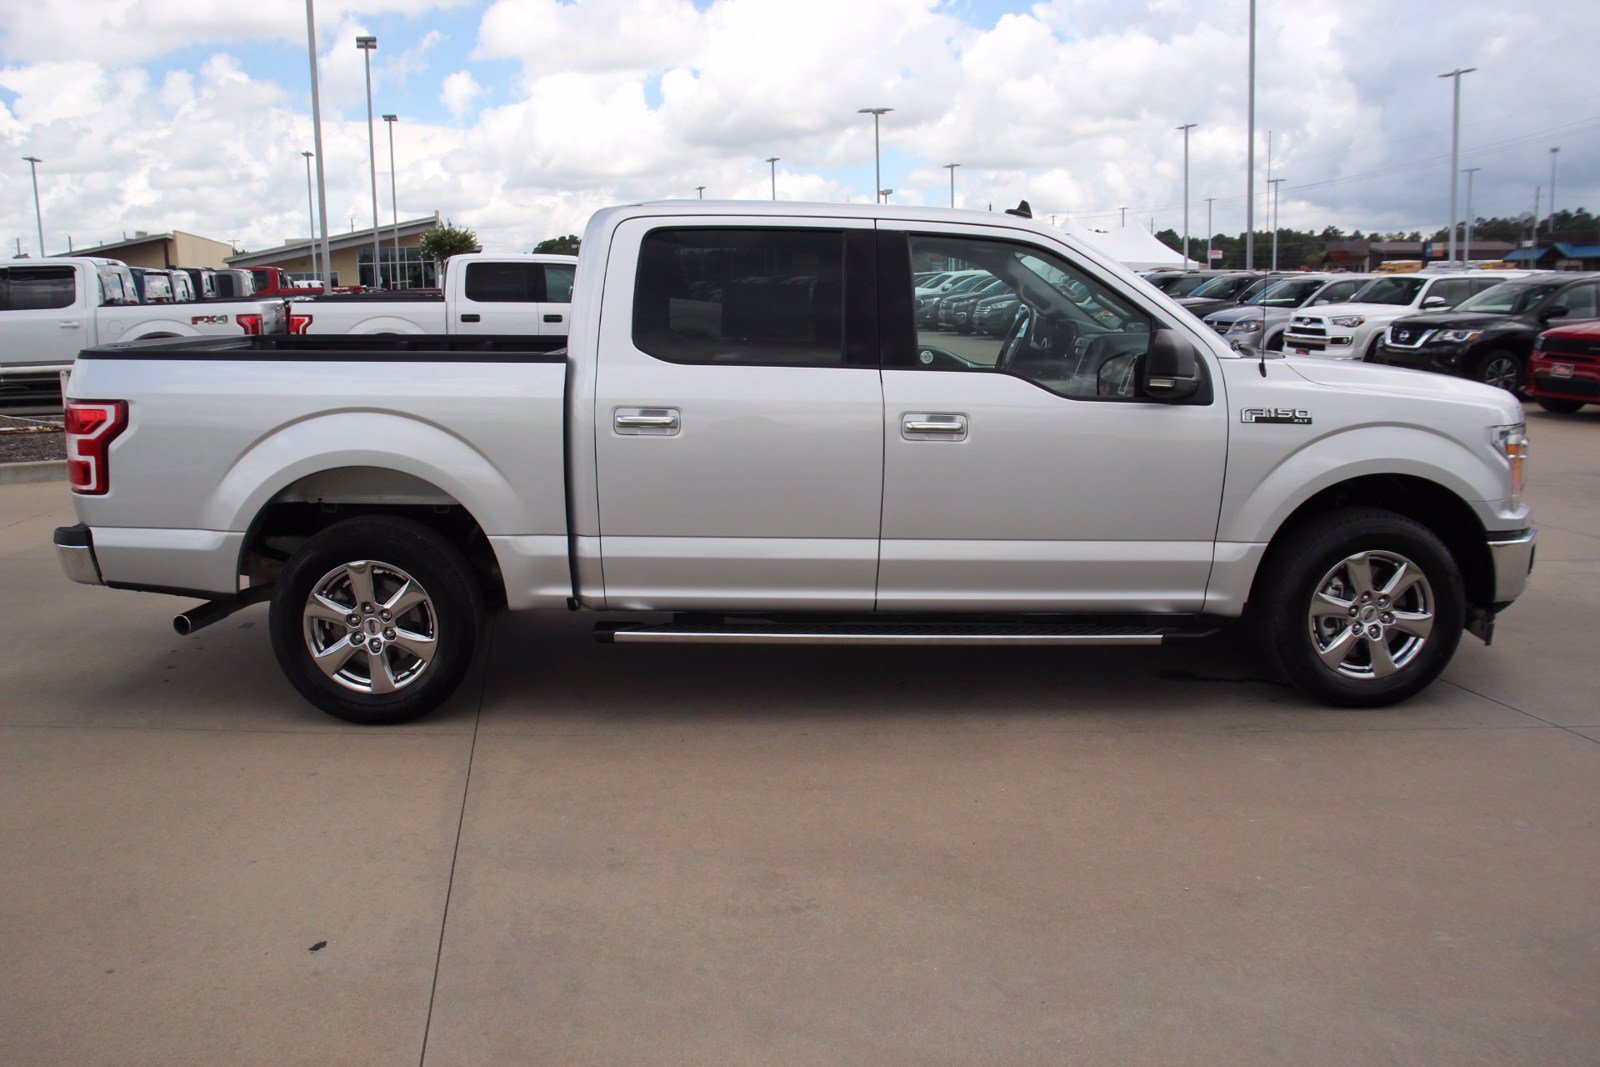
(1026, 472)
(738, 416)
(46, 313)
(512, 297)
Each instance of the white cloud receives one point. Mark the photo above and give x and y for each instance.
(460, 90)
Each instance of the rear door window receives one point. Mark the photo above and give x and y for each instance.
(506, 283)
(35, 288)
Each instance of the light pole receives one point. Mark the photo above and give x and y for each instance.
(1466, 253)
(877, 167)
(1552, 228)
(951, 167)
(883, 195)
(1275, 182)
(1455, 151)
(311, 216)
(394, 198)
(368, 45)
(1250, 155)
(1124, 221)
(772, 166)
(1209, 231)
(316, 131)
(38, 216)
(1186, 127)
(700, 192)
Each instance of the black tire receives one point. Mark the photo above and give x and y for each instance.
(1559, 407)
(1301, 607)
(1500, 368)
(423, 649)
(1372, 354)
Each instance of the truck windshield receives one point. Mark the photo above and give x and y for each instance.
(1508, 299)
(1400, 291)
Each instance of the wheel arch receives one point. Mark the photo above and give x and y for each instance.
(1436, 507)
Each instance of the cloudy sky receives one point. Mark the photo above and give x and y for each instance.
(518, 118)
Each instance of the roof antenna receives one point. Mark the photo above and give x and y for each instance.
(1022, 210)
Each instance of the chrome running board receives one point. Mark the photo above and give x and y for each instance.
(896, 633)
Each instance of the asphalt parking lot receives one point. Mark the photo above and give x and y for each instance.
(604, 854)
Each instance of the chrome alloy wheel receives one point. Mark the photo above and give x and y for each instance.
(1371, 615)
(1502, 372)
(370, 627)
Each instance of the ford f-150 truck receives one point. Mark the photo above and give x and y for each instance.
(749, 432)
(527, 294)
(51, 308)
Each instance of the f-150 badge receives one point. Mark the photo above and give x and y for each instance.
(1293, 416)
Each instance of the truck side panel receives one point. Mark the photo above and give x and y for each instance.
(487, 436)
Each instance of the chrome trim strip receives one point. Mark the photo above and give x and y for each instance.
(1513, 562)
(78, 563)
(716, 637)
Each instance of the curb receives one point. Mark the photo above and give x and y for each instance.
(44, 470)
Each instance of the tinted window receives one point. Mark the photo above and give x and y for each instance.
(32, 288)
(1065, 331)
(1398, 291)
(1338, 292)
(558, 283)
(1186, 286)
(1223, 287)
(1509, 298)
(506, 283)
(1579, 302)
(762, 297)
(1451, 290)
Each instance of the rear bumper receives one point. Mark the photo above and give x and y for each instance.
(1512, 555)
(75, 551)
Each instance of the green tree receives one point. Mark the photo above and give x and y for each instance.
(565, 246)
(446, 241)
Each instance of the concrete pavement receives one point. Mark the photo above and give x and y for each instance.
(600, 854)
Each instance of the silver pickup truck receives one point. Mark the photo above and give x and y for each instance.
(750, 438)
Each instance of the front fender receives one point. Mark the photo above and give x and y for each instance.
(1261, 500)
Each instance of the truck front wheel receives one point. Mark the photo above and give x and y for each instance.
(1360, 607)
(376, 619)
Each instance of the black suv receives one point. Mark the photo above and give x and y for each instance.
(1487, 337)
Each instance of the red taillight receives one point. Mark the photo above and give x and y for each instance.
(299, 323)
(91, 426)
(250, 324)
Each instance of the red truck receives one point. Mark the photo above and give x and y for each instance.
(1564, 369)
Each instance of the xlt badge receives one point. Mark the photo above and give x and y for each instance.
(1294, 416)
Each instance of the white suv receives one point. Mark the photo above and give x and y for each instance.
(1353, 330)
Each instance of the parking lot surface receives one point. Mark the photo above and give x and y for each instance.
(603, 854)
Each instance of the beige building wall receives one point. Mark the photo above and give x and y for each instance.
(195, 251)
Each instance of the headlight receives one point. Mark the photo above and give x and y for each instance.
(1460, 336)
(1347, 320)
(1246, 326)
(1512, 443)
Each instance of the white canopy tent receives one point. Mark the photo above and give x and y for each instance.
(1137, 249)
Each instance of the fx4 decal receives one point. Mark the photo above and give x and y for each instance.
(1293, 416)
(210, 320)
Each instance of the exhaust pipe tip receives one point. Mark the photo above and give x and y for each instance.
(203, 615)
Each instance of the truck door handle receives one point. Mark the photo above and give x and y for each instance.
(67, 324)
(933, 426)
(471, 318)
(552, 318)
(660, 421)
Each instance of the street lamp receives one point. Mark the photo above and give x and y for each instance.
(1455, 151)
(38, 216)
(311, 215)
(883, 195)
(394, 199)
(1210, 233)
(877, 169)
(951, 167)
(772, 165)
(316, 130)
(1250, 155)
(1466, 253)
(1553, 153)
(1124, 221)
(1186, 127)
(700, 192)
(368, 45)
(1275, 182)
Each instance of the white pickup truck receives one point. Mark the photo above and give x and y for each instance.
(749, 432)
(529, 295)
(52, 308)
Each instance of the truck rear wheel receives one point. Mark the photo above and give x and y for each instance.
(376, 619)
(1360, 607)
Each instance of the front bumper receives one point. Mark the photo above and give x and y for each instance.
(1511, 553)
(75, 551)
(1436, 358)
